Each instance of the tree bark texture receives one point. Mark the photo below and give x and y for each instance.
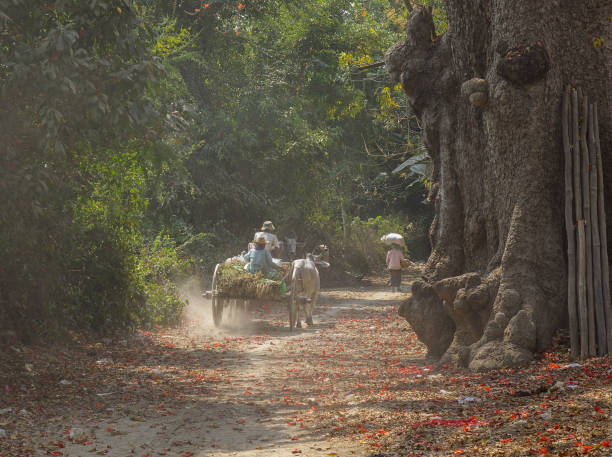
(488, 93)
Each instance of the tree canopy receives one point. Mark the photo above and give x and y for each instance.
(147, 139)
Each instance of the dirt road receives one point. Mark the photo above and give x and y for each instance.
(250, 388)
(353, 384)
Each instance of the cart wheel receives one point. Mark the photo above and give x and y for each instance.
(293, 311)
(217, 302)
(233, 309)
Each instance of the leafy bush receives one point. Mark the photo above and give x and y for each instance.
(160, 267)
(59, 273)
(206, 250)
(365, 237)
(80, 137)
(416, 236)
(364, 252)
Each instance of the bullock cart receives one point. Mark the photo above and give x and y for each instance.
(233, 290)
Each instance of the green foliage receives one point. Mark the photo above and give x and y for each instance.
(170, 40)
(285, 127)
(160, 268)
(73, 74)
(80, 143)
(439, 14)
(364, 252)
(122, 120)
(201, 247)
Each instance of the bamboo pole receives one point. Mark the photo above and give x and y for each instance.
(582, 293)
(569, 227)
(581, 273)
(600, 317)
(586, 203)
(605, 268)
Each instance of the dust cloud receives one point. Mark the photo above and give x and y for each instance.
(197, 314)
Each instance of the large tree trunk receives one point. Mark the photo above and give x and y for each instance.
(488, 93)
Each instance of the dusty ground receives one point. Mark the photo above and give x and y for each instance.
(354, 384)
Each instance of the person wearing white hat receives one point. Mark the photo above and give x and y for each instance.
(272, 244)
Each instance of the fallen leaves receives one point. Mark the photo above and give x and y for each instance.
(360, 377)
(451, 422)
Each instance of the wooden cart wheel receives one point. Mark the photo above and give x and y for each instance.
(233, 309)
(217, 302)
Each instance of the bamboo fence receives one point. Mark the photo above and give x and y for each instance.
(588, 286)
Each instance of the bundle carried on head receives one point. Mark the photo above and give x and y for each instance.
(234, 281)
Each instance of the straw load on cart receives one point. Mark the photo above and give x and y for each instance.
(235, 289)
(234, 281)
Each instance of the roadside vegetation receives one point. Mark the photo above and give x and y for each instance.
(145, 141)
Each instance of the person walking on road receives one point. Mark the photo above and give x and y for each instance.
(394, 264)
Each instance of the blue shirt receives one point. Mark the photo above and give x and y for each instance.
(259, 261)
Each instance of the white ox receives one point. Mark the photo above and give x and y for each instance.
(306, 286)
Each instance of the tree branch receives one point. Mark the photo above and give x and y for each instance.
(374, 65)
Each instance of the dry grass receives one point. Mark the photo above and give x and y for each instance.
(234, 281)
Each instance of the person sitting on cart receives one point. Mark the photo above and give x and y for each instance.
(272, 243)
(260, 260)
